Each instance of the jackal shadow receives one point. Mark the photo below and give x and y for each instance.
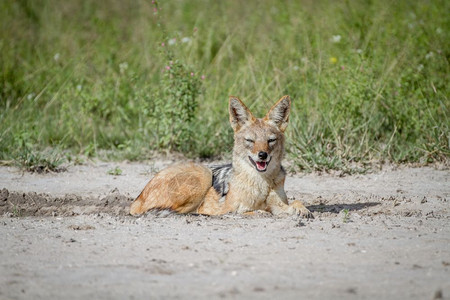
(336, 208)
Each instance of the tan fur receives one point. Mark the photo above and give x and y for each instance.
(211, 204)
(180, 187)
(186, 188)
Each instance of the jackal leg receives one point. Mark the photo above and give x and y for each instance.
(277, 204)
(211, 204)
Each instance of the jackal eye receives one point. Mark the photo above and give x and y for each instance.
(249, 141)
(270, 141)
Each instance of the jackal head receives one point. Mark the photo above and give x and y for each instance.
(259, 142)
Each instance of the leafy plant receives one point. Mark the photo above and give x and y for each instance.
(116, 171)
(346, 216)
(173, 112)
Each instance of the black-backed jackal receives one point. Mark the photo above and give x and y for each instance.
(253, 181)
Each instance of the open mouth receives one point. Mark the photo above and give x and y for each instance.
(261, 166)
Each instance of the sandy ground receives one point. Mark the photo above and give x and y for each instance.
(67, 235)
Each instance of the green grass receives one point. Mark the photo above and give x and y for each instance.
(346, 216)
(116, 171)
(368, 79)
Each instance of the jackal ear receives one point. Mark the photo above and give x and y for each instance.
(239, 114)
(279, 113)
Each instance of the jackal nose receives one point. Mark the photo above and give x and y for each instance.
(262, 155)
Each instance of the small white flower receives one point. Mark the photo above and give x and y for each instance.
(123, 67)
(56, 57)
(185, 40)
(79, 87)
(172, 42)
(30, 96)
(439, 30)
(419, 67)
(296, 68)
(429, 55)
(304, 60)
(359, 51)
(336, 38)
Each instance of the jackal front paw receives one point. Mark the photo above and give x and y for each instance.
(299, 209)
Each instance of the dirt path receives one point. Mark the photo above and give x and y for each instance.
(67, 236)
